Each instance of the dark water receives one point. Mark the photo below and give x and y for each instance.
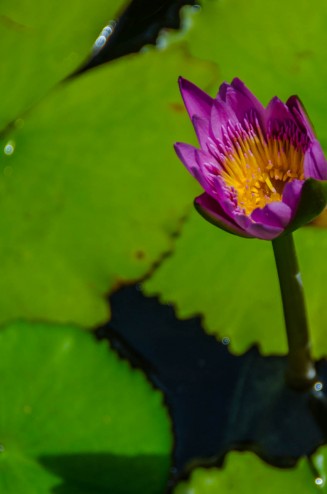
(217, 401)
(138, 26)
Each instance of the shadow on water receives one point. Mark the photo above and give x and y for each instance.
(105, 473)
(138, 26)
(217, 401)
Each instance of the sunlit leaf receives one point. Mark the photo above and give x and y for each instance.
(278, 50)
(41, 43)
(244, 473)
(233, 283)
(74, 418)
(93, 190)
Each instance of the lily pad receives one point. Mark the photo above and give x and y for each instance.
(243, 473)
(233, 283)
(75, 418)
(274, 54)
(42, 43)
(88, 188)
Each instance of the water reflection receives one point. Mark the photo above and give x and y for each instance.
(103, 37)
(318, 386)
(9, 148)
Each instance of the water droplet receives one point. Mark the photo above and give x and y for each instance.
(103, 36)
(9, 148)
(318, 386)
(225, 340)
(319, 481)
(100, 41)
(162, 41)
(299, 279)
(107, 31)
(2, 448)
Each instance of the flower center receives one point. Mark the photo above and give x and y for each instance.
(258, 168)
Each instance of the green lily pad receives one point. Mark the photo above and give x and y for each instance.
(88, 196)
(278, 50)
(42, 43)
(233, 283)
(244, 473)
(75, 418)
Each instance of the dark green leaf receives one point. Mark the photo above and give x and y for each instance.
(74, 418)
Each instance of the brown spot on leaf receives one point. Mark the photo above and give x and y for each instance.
(11, 24)
(304, 54)
(140, 254)
(177, 107)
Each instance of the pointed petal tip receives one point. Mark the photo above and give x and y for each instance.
(185, 84)
(277, 100)
(293, 99)
(181, 81)
(197, 102)
(237, 83)
(179, 146)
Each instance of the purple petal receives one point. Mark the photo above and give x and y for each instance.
(241, 88)
(222, 91)
(213, 212)
(207, 171)
(221, 115)
(186, 154)
(197, 102)
(226, 196)
(257, 229)
(315, 165)
(242, 101)
(297, 109)
(292, 194)
(276, 214)
(201, 127)
(198, 163)
(277, 111)
(207, 163)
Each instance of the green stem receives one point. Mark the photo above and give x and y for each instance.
(301, 371)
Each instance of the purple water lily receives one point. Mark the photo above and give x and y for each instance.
(255, 164)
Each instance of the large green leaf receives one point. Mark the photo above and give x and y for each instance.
(245, 473)
(43, 42)
(75, 418)
(233, 282)
(88, 197)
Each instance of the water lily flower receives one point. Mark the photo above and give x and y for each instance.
(262, 169)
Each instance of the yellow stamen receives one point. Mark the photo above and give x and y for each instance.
(258, 168)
